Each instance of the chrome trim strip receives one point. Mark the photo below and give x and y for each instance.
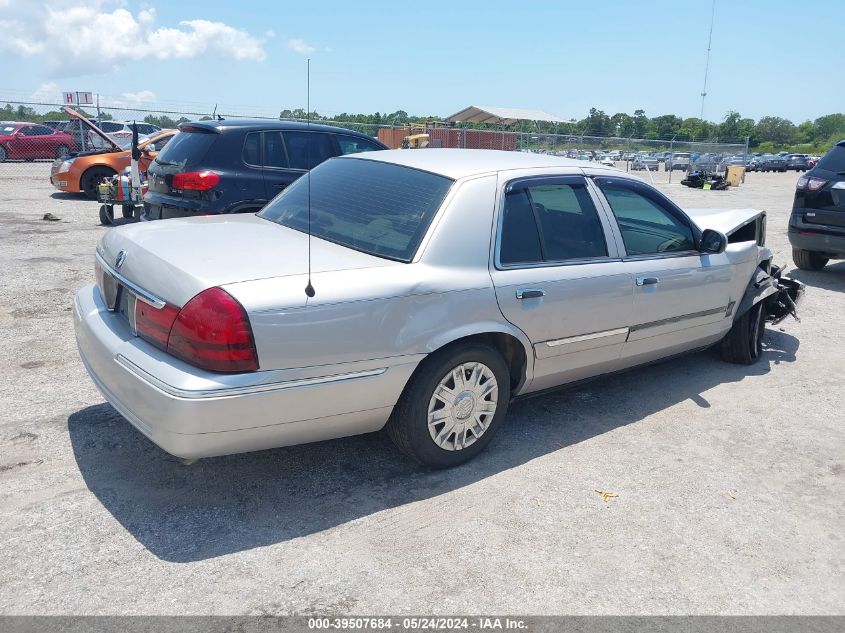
(225, 392)
(587, 337)
(676, 319)
(136, 290)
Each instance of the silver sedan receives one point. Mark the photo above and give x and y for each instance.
(417, 290)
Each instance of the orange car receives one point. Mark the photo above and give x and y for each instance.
(83, 171)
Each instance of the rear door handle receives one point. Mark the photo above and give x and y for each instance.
(530, 293)
(647, 281)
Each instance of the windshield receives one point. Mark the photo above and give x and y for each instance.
(374, 207)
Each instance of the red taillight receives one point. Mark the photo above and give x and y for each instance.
(814, 184)
(196, 180)
(211, 331)
(153, 324)
(802, 183)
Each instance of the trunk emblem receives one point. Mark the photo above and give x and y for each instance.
(121, 257)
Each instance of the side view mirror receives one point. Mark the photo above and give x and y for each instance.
(713, 242)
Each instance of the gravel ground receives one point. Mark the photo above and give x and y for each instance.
(729, 479)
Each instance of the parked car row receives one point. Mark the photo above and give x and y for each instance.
(59, 139)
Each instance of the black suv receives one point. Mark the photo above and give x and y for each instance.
(817, 223)
(798, 162)
(238, 165)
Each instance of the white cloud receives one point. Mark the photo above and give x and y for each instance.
(137, 98)
(95, 37)
(46, 93)
(300, 46)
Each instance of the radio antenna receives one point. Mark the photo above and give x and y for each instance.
(309, 289)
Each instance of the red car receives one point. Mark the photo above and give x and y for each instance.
(28, 141)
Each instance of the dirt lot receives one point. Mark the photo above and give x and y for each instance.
(729, 479)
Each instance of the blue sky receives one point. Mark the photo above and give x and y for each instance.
(769, 57)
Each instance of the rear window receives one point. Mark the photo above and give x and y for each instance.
(834, 160)
(108, 127)
(369, 206)
(186, 148)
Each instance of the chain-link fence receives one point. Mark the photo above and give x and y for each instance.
(42, 133)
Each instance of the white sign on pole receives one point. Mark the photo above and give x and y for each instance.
(78, 98)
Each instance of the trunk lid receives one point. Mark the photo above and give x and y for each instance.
(176, 259)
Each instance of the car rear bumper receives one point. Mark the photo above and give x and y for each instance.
(831, 245)
(191, 413)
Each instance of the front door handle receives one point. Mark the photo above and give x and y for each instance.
(530, 293)
(647, 281)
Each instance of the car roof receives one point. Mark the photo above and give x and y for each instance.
(461, 163)
(267, 124)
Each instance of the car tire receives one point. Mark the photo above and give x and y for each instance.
(743, 344)
(91, 178)
(3, 154)
(416, 411)
(106, 215)
(808, 260)
(62, 152)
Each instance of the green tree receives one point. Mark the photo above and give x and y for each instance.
(640, 123)
(830, 125)
(622, 124)
(664, 126)
(775, 130)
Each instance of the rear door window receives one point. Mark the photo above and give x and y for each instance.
(306, 150)
(548, 221)
(274, 151)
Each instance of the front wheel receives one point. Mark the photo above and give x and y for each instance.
(808, 260)
(106, 214)
(743, 344)
(3, 154)
(452, 406)
(127, 210)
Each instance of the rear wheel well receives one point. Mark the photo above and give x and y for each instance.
(510, 348)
